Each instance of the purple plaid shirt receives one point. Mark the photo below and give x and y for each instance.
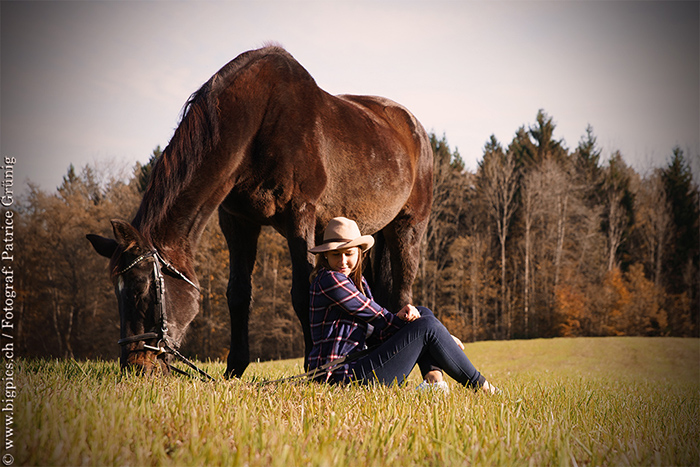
(342, 319)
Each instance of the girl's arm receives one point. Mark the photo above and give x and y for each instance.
(342, 292)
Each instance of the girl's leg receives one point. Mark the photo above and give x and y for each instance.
(394, 359)
(429, 369)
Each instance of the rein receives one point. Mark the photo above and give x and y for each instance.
(327, 368)
(163, 346)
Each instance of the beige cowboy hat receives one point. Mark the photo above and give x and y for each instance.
(343, 233)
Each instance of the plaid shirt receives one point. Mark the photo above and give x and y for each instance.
(342, 319)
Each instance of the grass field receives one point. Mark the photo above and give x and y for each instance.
(585, 401)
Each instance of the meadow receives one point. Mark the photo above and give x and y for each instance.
(582, 401)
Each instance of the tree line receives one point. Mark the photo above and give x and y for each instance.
(539, 241)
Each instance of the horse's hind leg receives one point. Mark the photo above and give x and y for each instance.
(403, 238)
(242, 240)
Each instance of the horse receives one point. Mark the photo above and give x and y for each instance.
(261, 142)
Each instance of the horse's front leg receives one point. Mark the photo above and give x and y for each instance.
(242, 240)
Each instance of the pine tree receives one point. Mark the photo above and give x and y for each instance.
(542, 134)
(618, 201)
(684, 256)
(142, 173)
(586, 162)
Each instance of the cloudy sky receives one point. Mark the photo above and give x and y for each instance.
(104, 82)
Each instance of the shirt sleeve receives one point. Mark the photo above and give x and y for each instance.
(342, 292)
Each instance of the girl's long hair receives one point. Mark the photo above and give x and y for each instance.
(355, 276)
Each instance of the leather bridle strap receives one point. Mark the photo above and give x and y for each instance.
(138, 338)
(160, 294)
(159, 299)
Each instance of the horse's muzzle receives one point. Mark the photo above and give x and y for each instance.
(144, 361)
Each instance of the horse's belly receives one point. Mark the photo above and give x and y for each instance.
(372, 203)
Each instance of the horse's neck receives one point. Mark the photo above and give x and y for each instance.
(174, 228)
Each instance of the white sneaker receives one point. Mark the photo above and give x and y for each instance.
(490, 388)
(439, 386)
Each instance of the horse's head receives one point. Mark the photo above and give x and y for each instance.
(156, 301)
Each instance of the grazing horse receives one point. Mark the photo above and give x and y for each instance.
(263, 144)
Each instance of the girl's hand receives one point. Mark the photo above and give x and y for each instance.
(459, 342)
(408, 313)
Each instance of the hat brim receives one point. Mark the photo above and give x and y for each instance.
(365, 242)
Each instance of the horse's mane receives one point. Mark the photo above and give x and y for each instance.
(195, 136)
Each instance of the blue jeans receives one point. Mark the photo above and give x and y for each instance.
(425, 342)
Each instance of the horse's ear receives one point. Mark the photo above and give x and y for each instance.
(104, 246)
(127, 236)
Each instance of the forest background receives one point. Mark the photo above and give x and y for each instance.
(541, 241)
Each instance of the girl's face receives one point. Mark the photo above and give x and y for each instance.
(343, 261)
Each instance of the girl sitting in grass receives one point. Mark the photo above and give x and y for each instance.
(345, 319)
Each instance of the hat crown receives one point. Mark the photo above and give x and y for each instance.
(341, 229)
(341, 233)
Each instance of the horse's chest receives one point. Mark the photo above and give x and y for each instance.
(258, 201)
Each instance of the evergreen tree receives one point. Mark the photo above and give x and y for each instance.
(532, 146)
(543, 135)
(683, 195)
(683, 258)
(618, 211)
(143, 172)
(586, 162)
(522, 148)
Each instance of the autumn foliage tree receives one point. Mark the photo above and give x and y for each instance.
(68, 307)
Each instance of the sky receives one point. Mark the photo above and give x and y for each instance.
(104, 82)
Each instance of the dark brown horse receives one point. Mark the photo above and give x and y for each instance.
(265, 145)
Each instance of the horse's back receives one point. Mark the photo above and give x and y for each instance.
(377, 157)
(389, 112)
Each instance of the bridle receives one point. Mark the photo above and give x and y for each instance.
(163, 344)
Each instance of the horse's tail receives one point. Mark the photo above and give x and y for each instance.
(378, 272)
